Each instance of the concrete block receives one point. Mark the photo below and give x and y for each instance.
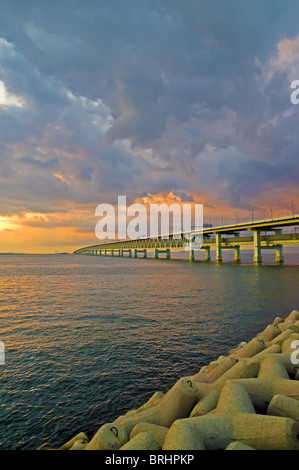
(79, 444)
(294, 315)
(158, 433)
(181, 436)
(209, 393)
(280, 405)
(235, 420)
(81, 436)
(269, 333)
(176, 403)
(272, 379)
(142, 441)
(110, 436)
(237, 445)
(252, 348)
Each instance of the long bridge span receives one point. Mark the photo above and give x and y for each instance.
(260, 235)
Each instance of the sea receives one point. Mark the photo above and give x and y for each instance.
(87, 338)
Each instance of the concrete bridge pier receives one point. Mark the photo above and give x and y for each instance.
(127, 251)
(237, 257)
(279, 258)
(257, 256)
(218, 247)
(140, 251)
(162, 251)
(208, 252)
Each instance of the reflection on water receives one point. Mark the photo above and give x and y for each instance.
(87, 338)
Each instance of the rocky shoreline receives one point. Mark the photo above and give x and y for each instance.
(245, 400)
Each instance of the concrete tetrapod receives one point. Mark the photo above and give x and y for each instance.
(286, 359)
(290, 344)
(154, 399)
(142, 441)
(176, 403)
(294, 315)
(79, 444)
(285, 325)
(82, 437)
(158, 433)
(234, 419)
(282, 336)
(237, 445)
(250, 349)
(269, 333)
(280, 405)
(277, 320)
(214, 371)
(110, 436)
(275, 348)
(209, 393)
(272, 379)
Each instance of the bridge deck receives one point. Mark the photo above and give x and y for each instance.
(230, 235)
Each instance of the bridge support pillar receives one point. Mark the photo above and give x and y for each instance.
(237, 257)
(218, 247)
(140, 251)
(127, 251)
(257, 256)
(162, 251)
(208, 253)
(279, 259)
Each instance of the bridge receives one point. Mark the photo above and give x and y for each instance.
(260, 234)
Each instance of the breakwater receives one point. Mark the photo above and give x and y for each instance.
(245, 400)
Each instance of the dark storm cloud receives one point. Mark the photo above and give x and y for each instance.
(145, 96)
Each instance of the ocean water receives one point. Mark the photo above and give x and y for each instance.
(88, 338)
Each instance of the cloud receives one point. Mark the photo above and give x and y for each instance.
(146, 98)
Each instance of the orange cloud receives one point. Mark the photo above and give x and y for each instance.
(60, 177)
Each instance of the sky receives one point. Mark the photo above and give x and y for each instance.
(158, 100)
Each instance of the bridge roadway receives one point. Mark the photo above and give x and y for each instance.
(263, 234)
